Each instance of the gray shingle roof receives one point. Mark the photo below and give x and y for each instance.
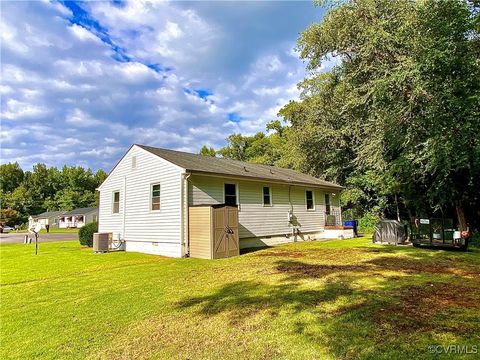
(81, 211)
(208, 164)
(48, 214)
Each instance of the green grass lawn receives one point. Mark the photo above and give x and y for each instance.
(336, 299)
(59, 231)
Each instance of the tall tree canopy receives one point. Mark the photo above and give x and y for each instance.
(397, 119)
(25, 193)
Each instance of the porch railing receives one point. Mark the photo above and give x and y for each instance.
(333, 217)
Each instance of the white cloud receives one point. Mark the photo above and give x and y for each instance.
(17, 110)
(67, 91)
(79, 118)
(83, 34)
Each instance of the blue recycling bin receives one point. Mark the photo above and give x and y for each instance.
(353, 224)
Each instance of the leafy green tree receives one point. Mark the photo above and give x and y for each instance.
(9, 217)
(11, 176)
(20, 201)
(99, 178)
(47, 188)
(236, 148)
(260, 148)
(397, 118)
(208, 151)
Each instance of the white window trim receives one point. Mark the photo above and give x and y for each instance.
(151, 197)
(270, 193)
(113, 201)
(237, 192)
(134, 162)
(313, 198)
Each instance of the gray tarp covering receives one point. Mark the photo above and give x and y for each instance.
(390, 232)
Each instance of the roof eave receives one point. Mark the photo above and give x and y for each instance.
(254, 178)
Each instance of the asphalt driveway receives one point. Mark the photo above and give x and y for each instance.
(13, 238)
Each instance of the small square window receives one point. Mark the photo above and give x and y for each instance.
(310, 200)
(116, 202)
(267, 196)
(155, 203)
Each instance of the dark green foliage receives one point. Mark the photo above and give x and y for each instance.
(268, 149)
(208, 151)
(11, 175)
(367, 223)
(475, 239)
(396, 120)
(47, 189)
(85, 234)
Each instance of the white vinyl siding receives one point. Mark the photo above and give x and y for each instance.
(255, 219)
(157, 232)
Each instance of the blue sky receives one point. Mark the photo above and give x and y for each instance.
(82, 81)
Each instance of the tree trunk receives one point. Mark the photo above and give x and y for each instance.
(398, 209)
(462, 221)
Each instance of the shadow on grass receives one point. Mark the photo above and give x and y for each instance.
(253, 249)
(353, 320)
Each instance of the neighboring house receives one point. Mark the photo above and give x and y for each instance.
(78, 218)
(144, 200)
(50, 218)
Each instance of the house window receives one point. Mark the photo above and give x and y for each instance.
(267, 196)
(155, 203)
(310, 200)
(134, 162)
(327, 204)
(230, 194)
(116, 202)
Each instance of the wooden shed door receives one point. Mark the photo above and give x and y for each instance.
(220, 239)
(232, 223)
(225, 223)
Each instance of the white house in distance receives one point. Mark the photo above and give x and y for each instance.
(77, 218)
(145, 200)
(50, 218)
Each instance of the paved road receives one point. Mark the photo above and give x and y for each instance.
(13, 238)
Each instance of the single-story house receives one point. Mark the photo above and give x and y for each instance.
(77, 218)
(145, 200)
(50, 218)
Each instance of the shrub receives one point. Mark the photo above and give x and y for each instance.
(475, 239)
(367, 222)
(85, 234)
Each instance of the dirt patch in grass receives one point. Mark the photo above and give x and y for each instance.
(419, 306)
(299, 269)
(423, 266)
(290, 254)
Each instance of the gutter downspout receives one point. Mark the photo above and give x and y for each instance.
(290, 215)
(124, 206)
(184, 213)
